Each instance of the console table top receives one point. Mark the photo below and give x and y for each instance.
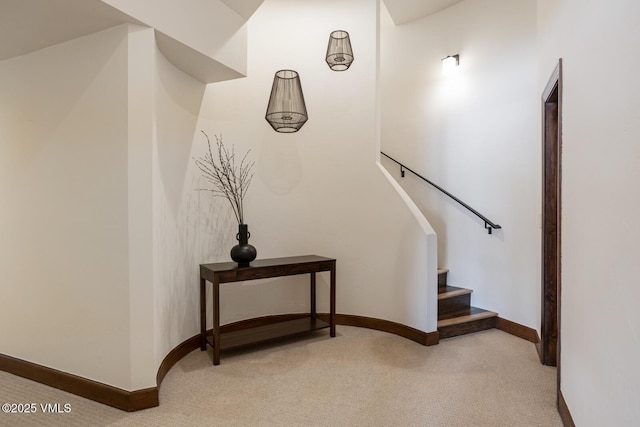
(268, 262)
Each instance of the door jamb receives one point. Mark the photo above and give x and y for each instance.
(549, 349)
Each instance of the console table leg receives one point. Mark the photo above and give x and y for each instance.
(313, 296)
(216, 322)
(203, 314)
(332, 303)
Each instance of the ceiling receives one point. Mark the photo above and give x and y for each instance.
(29, 25)
(403, 11)
(244, 8)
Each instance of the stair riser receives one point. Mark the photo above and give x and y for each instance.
(453, 304)
(442, 279)
(467, 328)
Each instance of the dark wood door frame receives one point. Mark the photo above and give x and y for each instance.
(551, 219)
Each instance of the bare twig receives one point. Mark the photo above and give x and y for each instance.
(229, 180)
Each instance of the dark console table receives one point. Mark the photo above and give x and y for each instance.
(228, 272)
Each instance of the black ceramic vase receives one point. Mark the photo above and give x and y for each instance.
(243, 253)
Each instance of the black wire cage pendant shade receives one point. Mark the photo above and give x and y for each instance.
(286, 111)
(339, 54)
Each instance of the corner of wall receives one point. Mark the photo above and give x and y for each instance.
(140, 136)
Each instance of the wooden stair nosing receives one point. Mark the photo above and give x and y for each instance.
(452, 292)
(484, 314)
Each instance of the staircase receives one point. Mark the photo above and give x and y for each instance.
(456, 316)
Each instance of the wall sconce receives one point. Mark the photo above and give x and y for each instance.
(286, 111)
(339, 54)
(450, 64)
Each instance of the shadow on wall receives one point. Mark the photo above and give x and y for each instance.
(279, 164)
(203, 232)
(178, 102)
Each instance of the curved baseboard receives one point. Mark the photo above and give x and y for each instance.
(131, 401)
(424, 338)
(190, 344)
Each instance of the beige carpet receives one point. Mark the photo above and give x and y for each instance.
(360, 378)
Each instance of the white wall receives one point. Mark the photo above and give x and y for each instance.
(600, 203)
(476, 135)
(64, 251)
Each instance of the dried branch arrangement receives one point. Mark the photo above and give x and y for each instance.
(229, 180)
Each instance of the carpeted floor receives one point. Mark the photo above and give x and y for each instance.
(360, 378)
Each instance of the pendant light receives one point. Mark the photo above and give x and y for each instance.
(286, 111)
(339, 53)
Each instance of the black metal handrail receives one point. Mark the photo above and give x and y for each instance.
(489, 225)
